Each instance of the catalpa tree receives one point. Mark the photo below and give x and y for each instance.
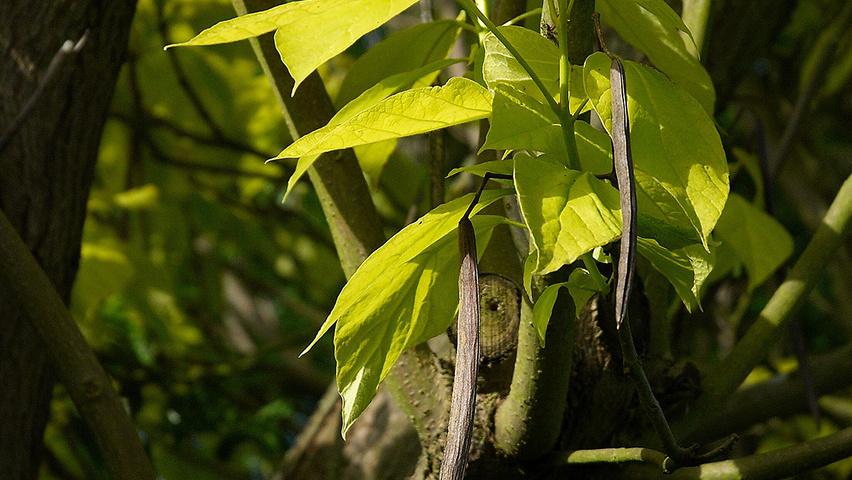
(608, 177)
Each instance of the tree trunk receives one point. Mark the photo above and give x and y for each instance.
(47, 169)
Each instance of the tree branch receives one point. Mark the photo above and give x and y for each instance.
(778, 464)
(772, 321)
(64, 51)
(780, 396)
(88, 384)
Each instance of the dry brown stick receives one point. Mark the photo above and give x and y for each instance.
(467, 358)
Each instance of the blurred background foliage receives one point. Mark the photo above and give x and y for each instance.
(198, 286)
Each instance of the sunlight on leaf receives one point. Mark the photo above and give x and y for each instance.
(520, 122)
(377, 110)
(309, 32)
(654, 28)
(568, 212)
(408, 113)
(499, 66)
(410, 49)
(680, 166)
(403, 294)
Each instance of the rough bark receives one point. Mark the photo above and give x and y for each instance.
(47, 170)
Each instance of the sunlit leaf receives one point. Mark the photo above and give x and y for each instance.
(686, 268)
(375, 110)
(309, 32)
(580, 286)
(568, 212)
(520, 122)
(680, 166)
(757, 239)
(653, 27)
(411, 112)
(410, 49)
(403, 294)
(499, 66)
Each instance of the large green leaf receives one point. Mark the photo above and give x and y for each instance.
(653, 27)
(419, 110)
(370, 98)
(685, 268)
(403, 51)
(309, 32)
(680, 166)
(403, 294)
(520, 122)
(499, 66)
(757, 239)
(568, 212)
(581, 286)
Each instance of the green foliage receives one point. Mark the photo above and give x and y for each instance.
(567, 212)
(655, 29)
(403, 294)
(669, 132)
(192, 267)
(581, 286)
(756, 239)
(307, 33)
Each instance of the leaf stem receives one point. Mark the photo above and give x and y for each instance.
(592, 266)
(566, 119)
(466, 4)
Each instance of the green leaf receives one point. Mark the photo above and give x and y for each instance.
(686, 268)
(653, 27)
(403, 51)
(371, 159)
(757, 239)
(407, 113)
(520, 122)
(680, 166)
(543, 309)
(502, 167)
(499, 66)
(317, 32)
(581, 287)
(403, 294)
(309, 32)
(568, 212)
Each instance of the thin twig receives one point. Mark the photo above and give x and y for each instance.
(67, 48)
(804, 100)
(222, 142)
(182, 78)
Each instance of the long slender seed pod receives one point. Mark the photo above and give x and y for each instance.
(467, 358)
